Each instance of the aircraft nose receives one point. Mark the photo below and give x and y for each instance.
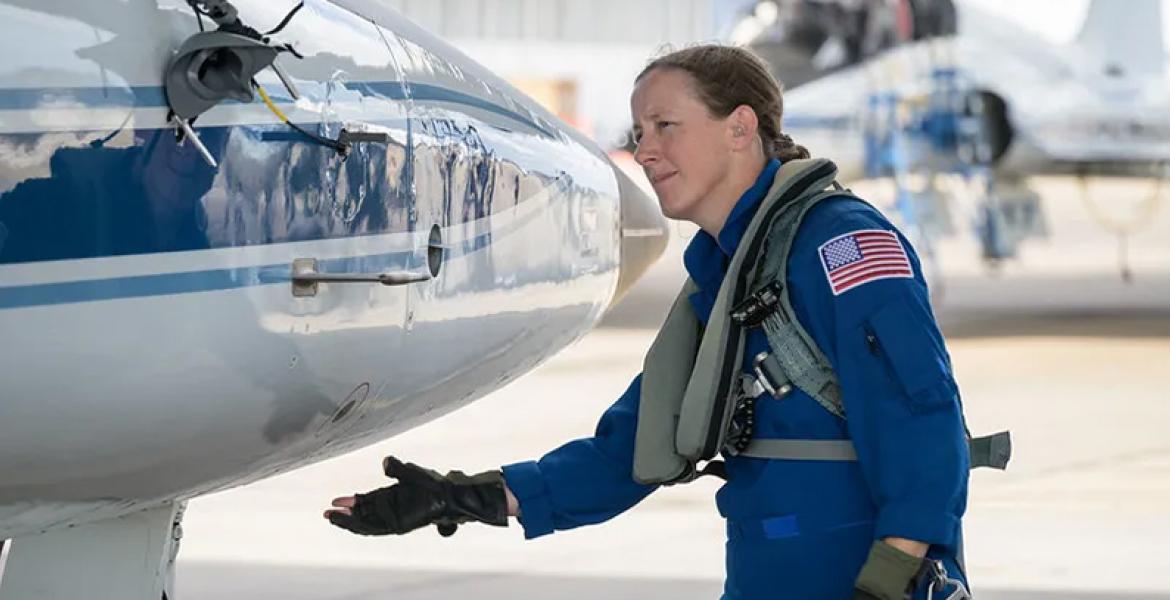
(644, 233)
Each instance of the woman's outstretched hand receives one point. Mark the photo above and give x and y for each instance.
(423, 497)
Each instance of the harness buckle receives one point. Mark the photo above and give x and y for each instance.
(764, 377)
(754, 387)
(758, 306)
(742, 424)
(939, 580)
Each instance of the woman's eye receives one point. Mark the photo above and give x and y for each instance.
(664, 124)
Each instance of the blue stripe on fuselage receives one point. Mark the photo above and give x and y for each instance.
(140, 286)
(161, 284)
(155, 196)
(154, 97)
(88, 97)
(422, 92)
(95, 202)
(186, 282)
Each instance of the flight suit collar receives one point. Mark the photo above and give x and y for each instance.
(706, 258)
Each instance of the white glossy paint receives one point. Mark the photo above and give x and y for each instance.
(130, 398)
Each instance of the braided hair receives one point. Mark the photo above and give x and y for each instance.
(727, 77)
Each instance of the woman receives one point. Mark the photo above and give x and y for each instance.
(707, 122)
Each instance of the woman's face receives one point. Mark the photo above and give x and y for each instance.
(682, 149)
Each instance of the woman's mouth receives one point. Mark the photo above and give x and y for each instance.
(657, 179)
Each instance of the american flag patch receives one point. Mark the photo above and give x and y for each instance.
(863, 256)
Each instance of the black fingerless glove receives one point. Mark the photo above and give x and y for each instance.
(888, 574)
(423, 497)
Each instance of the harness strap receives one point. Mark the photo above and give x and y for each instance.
(992, 451)
(832, 450)
(793, 349)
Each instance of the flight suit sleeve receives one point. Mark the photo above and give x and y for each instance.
(585, 481)
(874, 322)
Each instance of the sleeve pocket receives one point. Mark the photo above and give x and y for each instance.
(912, 349)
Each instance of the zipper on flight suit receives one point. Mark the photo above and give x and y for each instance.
(871, 341)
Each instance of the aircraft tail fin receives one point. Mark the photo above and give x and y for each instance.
(1127, 35)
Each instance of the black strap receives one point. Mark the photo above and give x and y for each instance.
(717, 468)
(758, 306)
(284, 22)
(713, 467)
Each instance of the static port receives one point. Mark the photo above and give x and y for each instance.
(435, 251)
(348, 406)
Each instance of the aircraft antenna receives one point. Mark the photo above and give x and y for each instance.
(345, 139)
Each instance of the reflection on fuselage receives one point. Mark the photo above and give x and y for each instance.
(187, 364)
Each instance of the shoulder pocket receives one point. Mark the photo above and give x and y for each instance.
(903, 335)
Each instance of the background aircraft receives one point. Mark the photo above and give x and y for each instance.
(915, 89)
(191, 276)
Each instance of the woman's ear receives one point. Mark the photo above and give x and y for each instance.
(743, 125)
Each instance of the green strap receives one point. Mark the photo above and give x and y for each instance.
(840, 450)
(800, 362)
(671, 354)
(796, 353)
(690, 375)
(710, 392)
(992, 451)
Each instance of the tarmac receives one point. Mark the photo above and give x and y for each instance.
(1055, 346)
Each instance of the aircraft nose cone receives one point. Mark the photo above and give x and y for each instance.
(644, 233)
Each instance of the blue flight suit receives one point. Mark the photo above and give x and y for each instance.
(801, 529)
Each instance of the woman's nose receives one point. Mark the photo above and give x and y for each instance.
(645, 153)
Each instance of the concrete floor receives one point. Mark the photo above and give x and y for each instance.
(1084, 507)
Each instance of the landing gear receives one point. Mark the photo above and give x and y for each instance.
(953, 127)
(129, 558)
(891, 153)
(1007, 212)
(996, 246)
(920, 213)
(173, 551)
(1141, 216)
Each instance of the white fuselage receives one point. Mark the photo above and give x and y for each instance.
(152, 348)
(1071, 108)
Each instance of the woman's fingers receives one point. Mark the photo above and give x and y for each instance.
(342, 505)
